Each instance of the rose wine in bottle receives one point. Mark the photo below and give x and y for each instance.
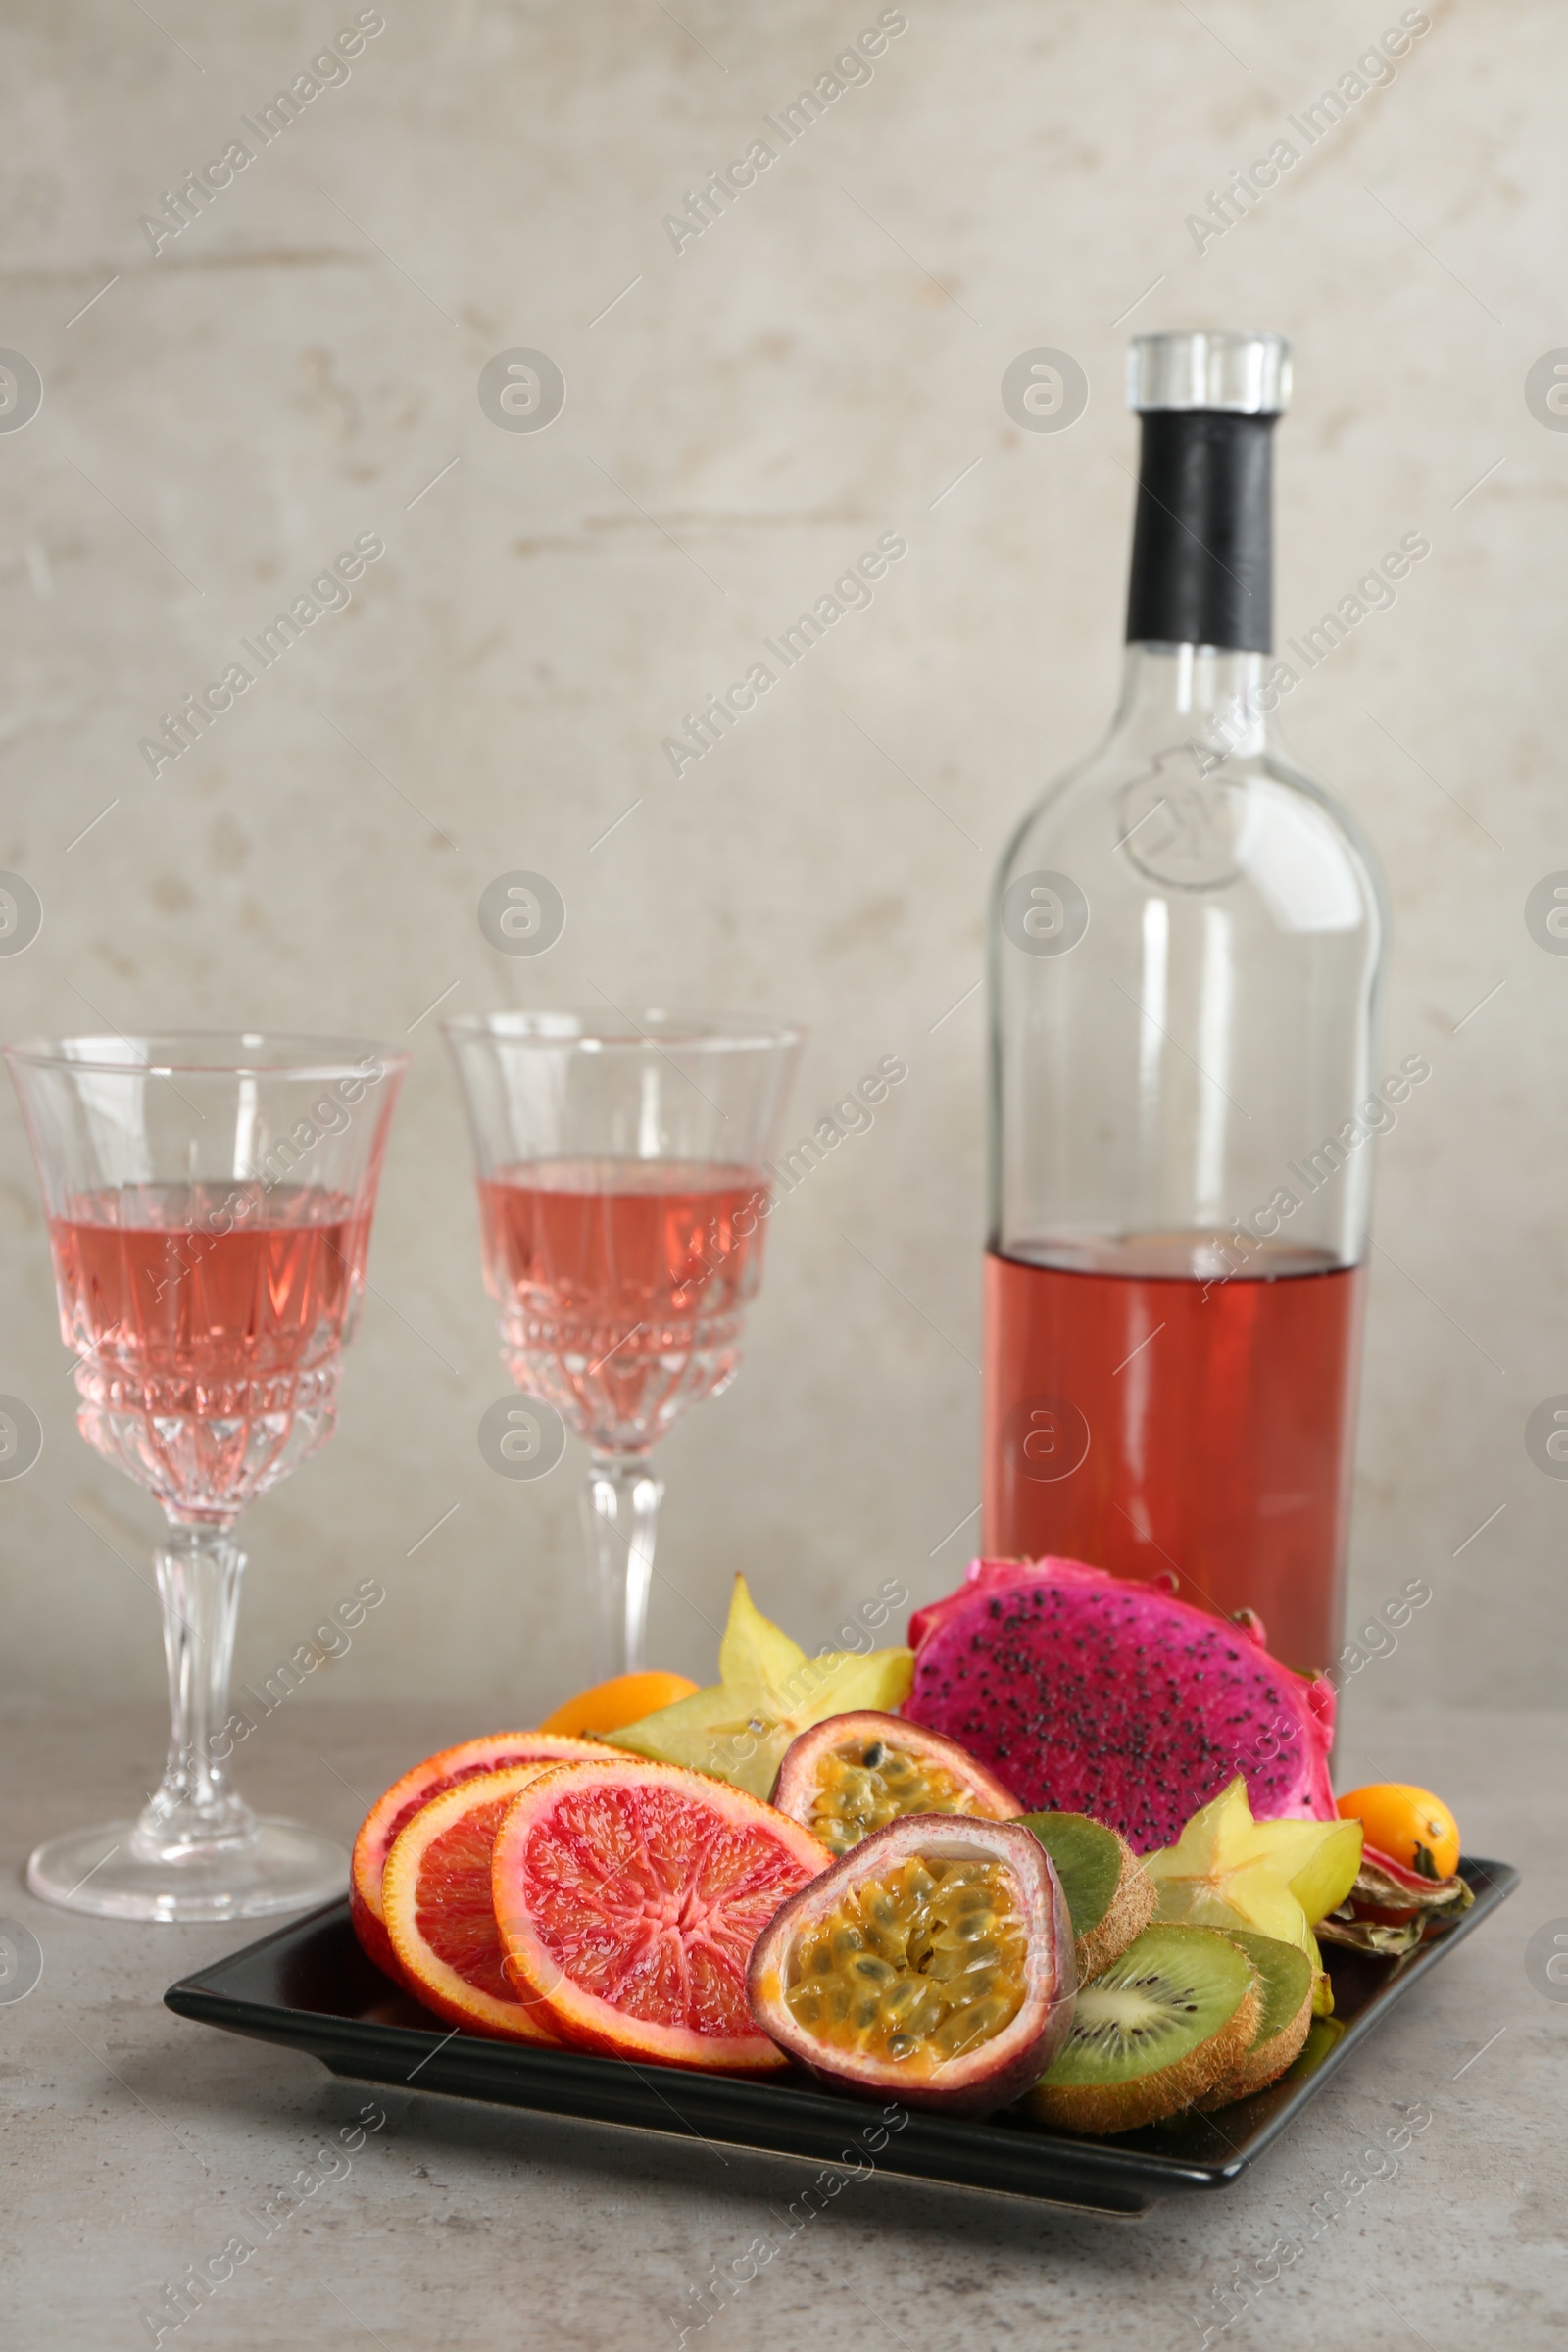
(1186, 945)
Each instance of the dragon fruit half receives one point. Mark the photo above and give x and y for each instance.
(1089, 1693)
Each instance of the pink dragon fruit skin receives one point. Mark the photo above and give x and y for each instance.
(1092, 1693)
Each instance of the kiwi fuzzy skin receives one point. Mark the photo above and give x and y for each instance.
(1132, 1907)
(1260, 2065)
(1133, 1900)
(1265, 2061)
(1100, 2108)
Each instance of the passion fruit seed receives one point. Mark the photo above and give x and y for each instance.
(918, 1967)
(865, 1784)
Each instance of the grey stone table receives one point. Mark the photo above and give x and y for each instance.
(133, 2142)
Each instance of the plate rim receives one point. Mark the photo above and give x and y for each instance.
(1140, 2174)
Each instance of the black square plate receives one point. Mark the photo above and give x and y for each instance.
(309, 1986)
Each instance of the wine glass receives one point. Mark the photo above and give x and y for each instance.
(623, 1201)
(208, 1200)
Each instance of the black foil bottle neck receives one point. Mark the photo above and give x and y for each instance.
(1202, 531)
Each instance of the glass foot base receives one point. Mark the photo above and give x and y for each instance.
(285, 1867)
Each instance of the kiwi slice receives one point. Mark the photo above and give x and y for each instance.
(1111, 1895)
(1285, 1981)
(1162, 2024)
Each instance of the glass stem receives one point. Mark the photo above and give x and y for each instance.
(194, 1811)
(620, 1499)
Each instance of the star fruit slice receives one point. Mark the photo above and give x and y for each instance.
(1279, 1878)
(768, 1693)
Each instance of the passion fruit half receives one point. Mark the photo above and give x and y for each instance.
(854, 1773)
(932, 1961)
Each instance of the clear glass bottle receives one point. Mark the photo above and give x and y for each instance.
(1187, 940)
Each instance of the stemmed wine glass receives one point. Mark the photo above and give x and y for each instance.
(209, 1200)
(624, 1202)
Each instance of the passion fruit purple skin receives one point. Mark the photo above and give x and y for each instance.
(1012, 2061)
(795, 1787)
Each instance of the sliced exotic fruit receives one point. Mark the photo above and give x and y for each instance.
(1278, 1878)
(1411, 1826)
(1089, 1693)
(854, 1773)
(628, 1896)
(396, 1809)
(1162, 2027)
(625, 1699)
(932, 1962)
(1285, 1987)
(768, 1693)
(1110, 1897)
(437, 1910)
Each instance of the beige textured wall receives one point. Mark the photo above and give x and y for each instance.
(815, 371)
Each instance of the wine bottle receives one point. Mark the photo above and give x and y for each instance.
(1187, 939)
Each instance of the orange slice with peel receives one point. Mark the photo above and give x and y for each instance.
(625, 1698)
(393, 1812)
(437, 1911)
(628, 1896)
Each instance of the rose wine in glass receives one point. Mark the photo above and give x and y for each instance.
(622, 1283)
(208, 1200)
(622, 1211)
(1187, 944)
(208, 1360)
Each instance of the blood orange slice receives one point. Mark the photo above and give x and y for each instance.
(628, 1899)
(392, 1813)
(437, 1911)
